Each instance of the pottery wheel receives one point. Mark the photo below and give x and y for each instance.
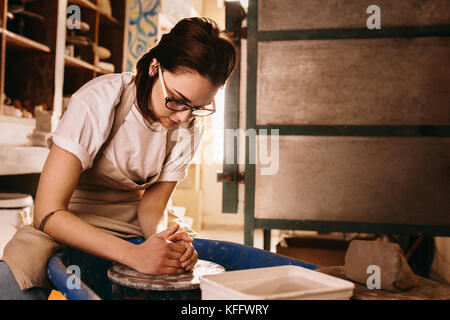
(128, 277)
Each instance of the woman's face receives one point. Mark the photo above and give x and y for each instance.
(188, 87)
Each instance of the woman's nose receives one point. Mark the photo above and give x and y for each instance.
(184, 116)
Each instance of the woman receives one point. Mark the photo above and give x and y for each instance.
(113, 164)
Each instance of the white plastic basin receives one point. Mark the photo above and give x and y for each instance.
(274, 283)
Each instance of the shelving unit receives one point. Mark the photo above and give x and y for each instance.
(28, 55)
(106, 31)
(73, 62)
(34, 65)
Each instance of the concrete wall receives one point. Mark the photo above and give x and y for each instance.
(354, 81)
(312, 14)
(374, 180)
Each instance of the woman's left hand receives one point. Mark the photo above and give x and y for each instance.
(190, 256)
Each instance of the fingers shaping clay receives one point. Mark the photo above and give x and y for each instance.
(395, 272)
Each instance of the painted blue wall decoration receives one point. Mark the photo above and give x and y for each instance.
(142, 29)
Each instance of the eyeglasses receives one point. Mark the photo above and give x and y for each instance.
(176, 105)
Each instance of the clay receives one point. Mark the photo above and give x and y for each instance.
(395, 272)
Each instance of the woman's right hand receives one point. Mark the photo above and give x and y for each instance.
(157, 255)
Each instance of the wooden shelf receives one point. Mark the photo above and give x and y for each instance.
(17, 42)
(83, 3)
(78, 63)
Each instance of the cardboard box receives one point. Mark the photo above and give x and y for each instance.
(319, 250)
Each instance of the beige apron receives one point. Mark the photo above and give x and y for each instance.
(104, 197)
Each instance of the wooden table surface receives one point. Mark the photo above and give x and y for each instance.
(426, 289)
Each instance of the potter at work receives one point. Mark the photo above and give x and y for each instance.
(115, 159)
(125, 276)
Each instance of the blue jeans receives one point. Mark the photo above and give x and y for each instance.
(10, 290)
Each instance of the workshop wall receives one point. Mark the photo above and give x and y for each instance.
(312, 14)
(142, 29)
(386, 81)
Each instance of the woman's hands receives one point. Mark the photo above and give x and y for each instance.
(190, 256)
(164, 253)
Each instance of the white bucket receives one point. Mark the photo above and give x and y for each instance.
(16, 211)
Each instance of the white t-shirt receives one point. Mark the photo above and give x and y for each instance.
(138, 148)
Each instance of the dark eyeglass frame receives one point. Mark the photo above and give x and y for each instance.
(194, 109)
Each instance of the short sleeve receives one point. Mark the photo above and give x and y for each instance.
(177, 162)
(88, 119)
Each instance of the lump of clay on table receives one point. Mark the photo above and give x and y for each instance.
(395, 272)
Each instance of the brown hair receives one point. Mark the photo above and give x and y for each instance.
(193, 43)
